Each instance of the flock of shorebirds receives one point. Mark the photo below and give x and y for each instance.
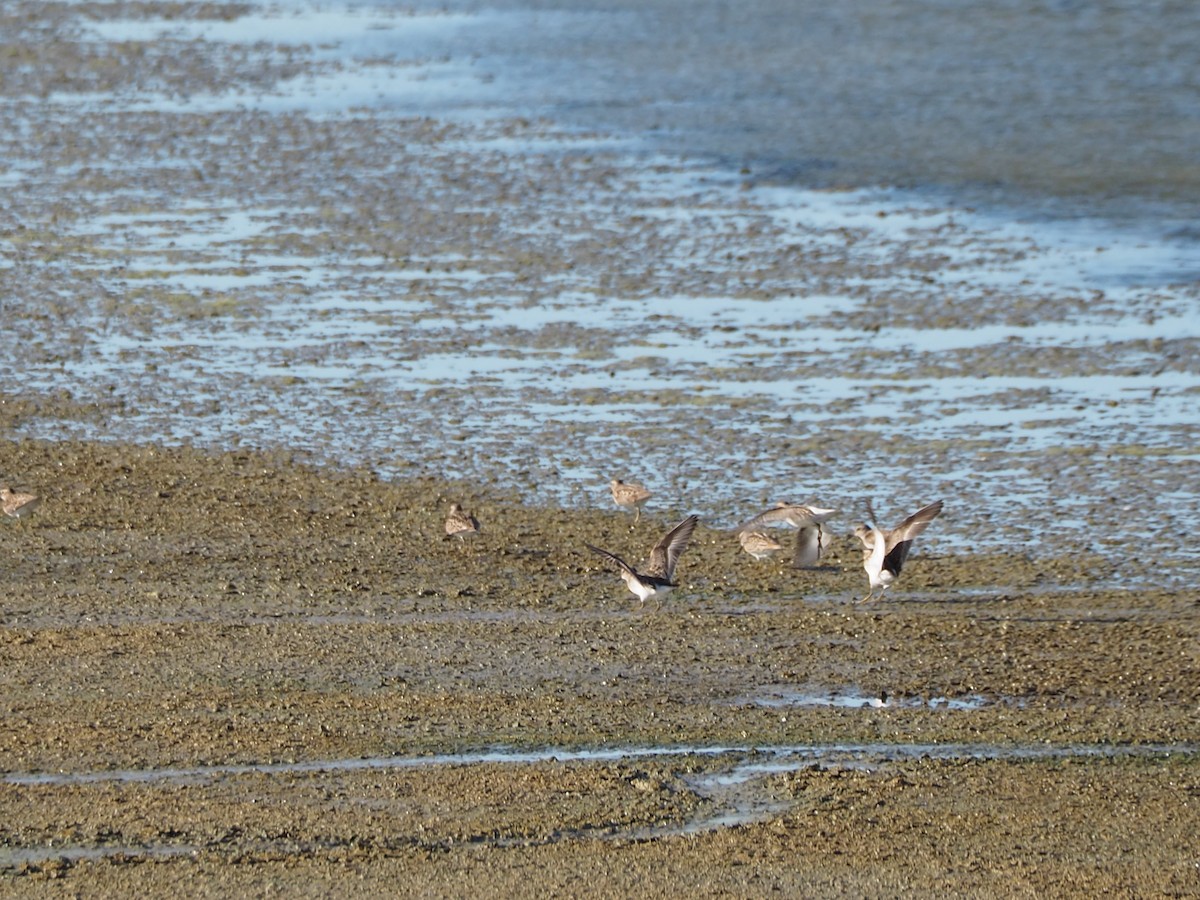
(884, 549)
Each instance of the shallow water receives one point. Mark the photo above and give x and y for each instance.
(579, 303)
(777, 759)
(1059, 106)
(1071, 106)
(738, 793)
(784, 696)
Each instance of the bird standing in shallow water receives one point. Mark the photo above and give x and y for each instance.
(655, 581)
(18, 505)
(629, 495)
(884, 552)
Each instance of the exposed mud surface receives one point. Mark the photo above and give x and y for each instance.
(335, 236)
(196, 648)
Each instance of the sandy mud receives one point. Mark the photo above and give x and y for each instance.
(255, 674)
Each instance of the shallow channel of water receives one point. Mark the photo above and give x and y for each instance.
(736, 792)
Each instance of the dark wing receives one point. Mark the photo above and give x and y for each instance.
(808, 546)
(624, 566)
(900, 538)
(666, 552)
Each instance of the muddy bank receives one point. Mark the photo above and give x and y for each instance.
(174, 609)
(1006, 829)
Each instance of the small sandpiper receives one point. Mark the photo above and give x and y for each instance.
(811, 540)
(655, 581)
(18, 505)
(759, 544)
(629, 495)
(884, 552)
(459, 523)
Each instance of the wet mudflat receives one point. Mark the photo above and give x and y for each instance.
(280, 284)
(258, 674)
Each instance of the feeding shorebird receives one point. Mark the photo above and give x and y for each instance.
(459, 523)
(811, 540)
(884, 552)
(655, 581)
(759, 544)
(629, 495)
(18, 505)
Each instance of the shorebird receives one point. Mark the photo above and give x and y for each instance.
(811, 543)
(16, 504)
(758, 544)
(807, 520)
(627, 495)
(655, 581)
(884, 552)
(459, 523)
